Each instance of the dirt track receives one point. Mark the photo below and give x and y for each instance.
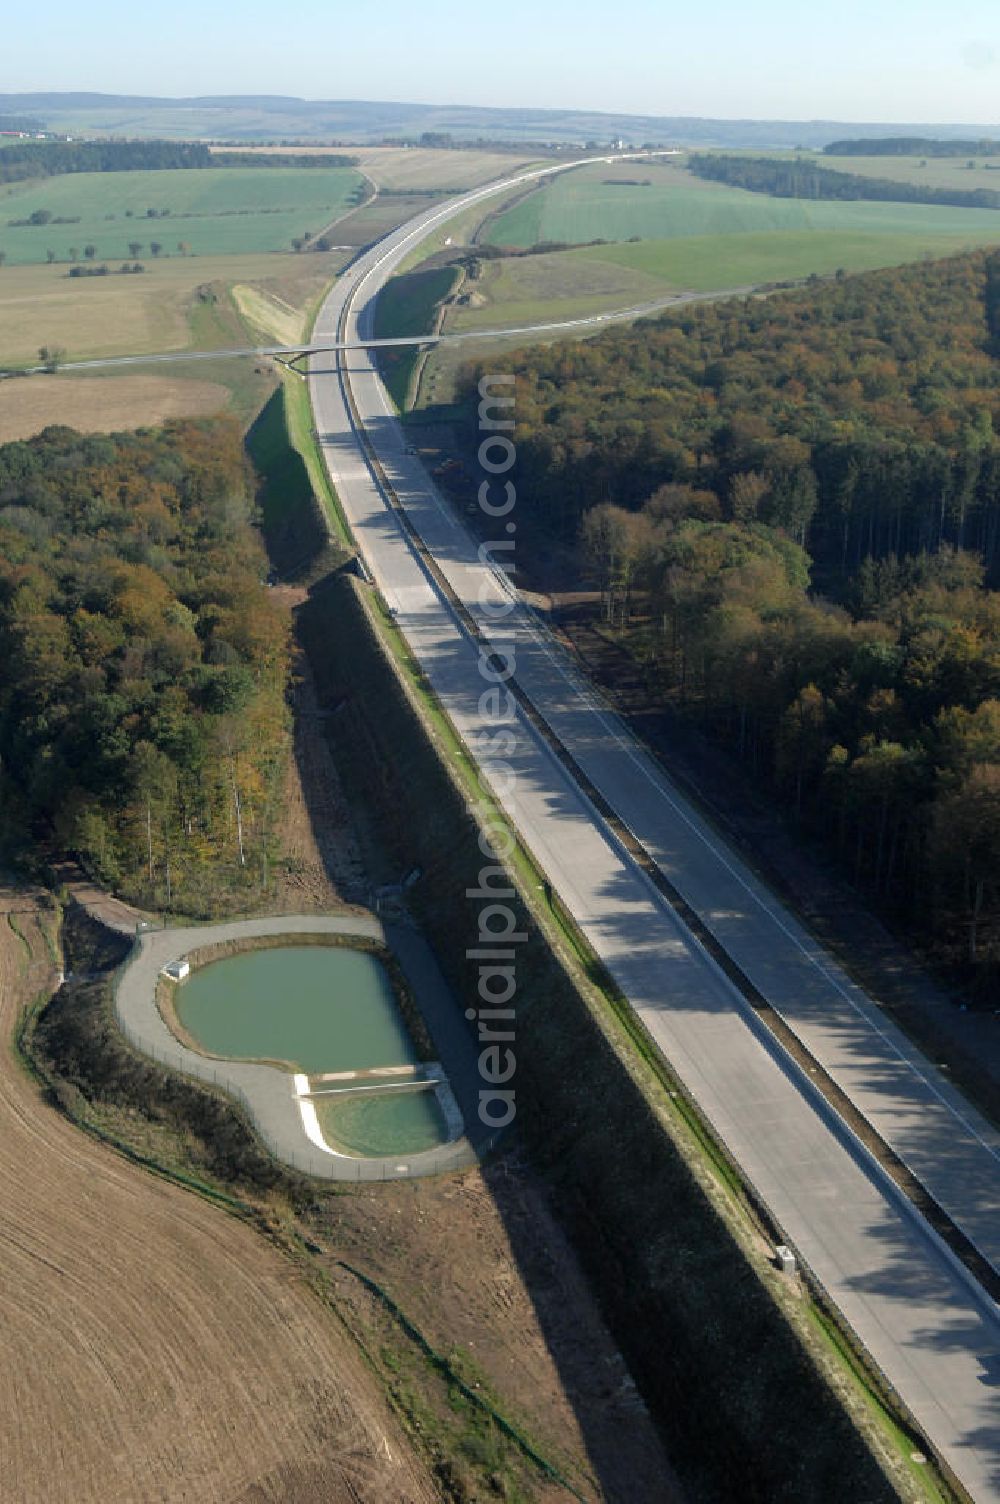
(150, 1347)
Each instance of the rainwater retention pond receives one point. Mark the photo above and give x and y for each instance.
(328, 1015)
(313, 1007)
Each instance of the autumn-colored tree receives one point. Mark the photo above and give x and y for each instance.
(142, 663)
(965, 854)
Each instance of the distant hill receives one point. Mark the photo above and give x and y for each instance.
(20, 123)
(240, 117)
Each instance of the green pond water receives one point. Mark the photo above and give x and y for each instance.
(400, 1123)
(321, 1008)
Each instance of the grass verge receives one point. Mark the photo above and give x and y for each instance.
(409, 305)
(299, 424)
(306, 532)
(646, 1208)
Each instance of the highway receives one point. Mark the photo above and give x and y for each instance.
(930, 1328)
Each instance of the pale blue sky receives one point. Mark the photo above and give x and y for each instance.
(869, 60)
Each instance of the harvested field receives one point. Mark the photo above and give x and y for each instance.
(400, 167)
(154, 1349)
(95, 315)
(377, 217)
(269, 313)
(91, 317)
(426, 167)
(102, 404)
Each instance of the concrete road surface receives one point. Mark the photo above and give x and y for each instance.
(930, 1328)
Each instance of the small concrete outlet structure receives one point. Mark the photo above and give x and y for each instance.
(176, 971)
(786, 1259)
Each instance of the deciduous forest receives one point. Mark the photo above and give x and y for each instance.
(142, 664)
(792, 507)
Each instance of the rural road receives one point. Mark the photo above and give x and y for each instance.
(331, 347)
(925, 1322)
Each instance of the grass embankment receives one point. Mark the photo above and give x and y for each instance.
(409, 304)
(298, 507)
(706, 1339)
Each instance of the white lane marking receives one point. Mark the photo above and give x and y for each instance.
(627, 745)
(348, 307)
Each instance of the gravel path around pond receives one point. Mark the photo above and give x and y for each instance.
(267, 1093)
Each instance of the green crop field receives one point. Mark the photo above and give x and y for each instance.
(712, 263)
(595, 279)
(600, 279)
(599, 203)
(937, 172)
(214, 211)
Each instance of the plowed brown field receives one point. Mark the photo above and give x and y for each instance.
(150, 1347)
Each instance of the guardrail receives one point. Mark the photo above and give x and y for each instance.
(763, 1015)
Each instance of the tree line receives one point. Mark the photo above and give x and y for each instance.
(280, 159)
(43, 159)
(803, 177)
(911, 146)
(142, 664)
(719, 463)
